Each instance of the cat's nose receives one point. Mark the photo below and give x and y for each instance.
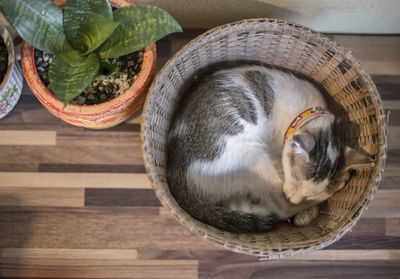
(295, 200)
(287, 196)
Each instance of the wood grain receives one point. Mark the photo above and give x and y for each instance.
(27, 137)
(70, 155)
(91, 168)
(74, 180)
(121, 197)
(385, 204)
(381, 55)
(40, 253)
(300, 269)
(94, 228)
(99, 138)
(392, 226)
(88, 268)
(26, 196)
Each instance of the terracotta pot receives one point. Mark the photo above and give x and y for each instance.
(11, 85)
(98, 116)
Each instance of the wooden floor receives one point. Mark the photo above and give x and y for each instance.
(76, 203)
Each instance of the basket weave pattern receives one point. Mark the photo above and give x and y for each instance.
(300, 50)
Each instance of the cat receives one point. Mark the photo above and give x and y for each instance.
(227, 165)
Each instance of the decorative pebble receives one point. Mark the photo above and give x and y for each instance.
(99, 91)
(80, 100)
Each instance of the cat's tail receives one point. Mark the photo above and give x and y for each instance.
(218, 216)
(237, 222)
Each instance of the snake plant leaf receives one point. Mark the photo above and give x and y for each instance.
(88, 24)
(70, 73)
(37, 22)
(140, 26)
(106, 70)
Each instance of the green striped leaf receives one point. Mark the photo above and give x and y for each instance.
(106, 70)
(71, 72)
(140, 26)
(37, 22)
(88, 23)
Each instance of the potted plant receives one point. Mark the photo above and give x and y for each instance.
(85, 43)
(11, 80)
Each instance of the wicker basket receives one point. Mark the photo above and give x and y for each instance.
(300, 50)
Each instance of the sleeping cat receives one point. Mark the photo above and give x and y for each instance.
(231, 162)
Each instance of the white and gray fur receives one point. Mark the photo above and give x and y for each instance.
(227, 165)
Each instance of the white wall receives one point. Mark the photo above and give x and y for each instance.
(337, 16)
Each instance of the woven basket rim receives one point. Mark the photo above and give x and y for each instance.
(209, 234)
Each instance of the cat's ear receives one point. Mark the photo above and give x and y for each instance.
(354, 159)
(300, 146)
(306, 142)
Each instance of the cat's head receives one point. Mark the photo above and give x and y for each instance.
(316, 166)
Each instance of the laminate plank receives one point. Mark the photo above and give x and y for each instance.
(389, 79)
(385, 204)
(90, 168)
(388, 86)
(349, 242)
(100, 138)
(393, 158)
(381, 55)
(120, 197)
(392, 226)
(161, 61)
(178, 44)
(136, 118)
(94, 228)
(349, 255)
(25, 196)
(300, 269)
(71, 154)
(389, 182)
(26, 112)
(391, 172)
(74, 180)
(369, 227)
(81, 254)
(118, 269)
(394, 118)
(27, 137)
(391, 104)
(125, 127)
(28, 98)
(381, 68)
(19, 167)
(186, 34)
(394, 137)
(40, 126)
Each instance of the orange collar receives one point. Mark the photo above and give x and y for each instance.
(304, 118)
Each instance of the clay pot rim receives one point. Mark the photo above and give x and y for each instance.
(46, 96)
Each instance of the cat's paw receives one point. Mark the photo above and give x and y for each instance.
(305, 217)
